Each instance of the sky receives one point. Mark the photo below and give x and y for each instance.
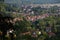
(32, 1)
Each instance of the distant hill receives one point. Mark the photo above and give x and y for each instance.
(18, 2)
(32, 1)
(1, 0)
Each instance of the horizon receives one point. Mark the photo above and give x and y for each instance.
(33, 1)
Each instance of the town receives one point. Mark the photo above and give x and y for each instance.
(29, 22)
